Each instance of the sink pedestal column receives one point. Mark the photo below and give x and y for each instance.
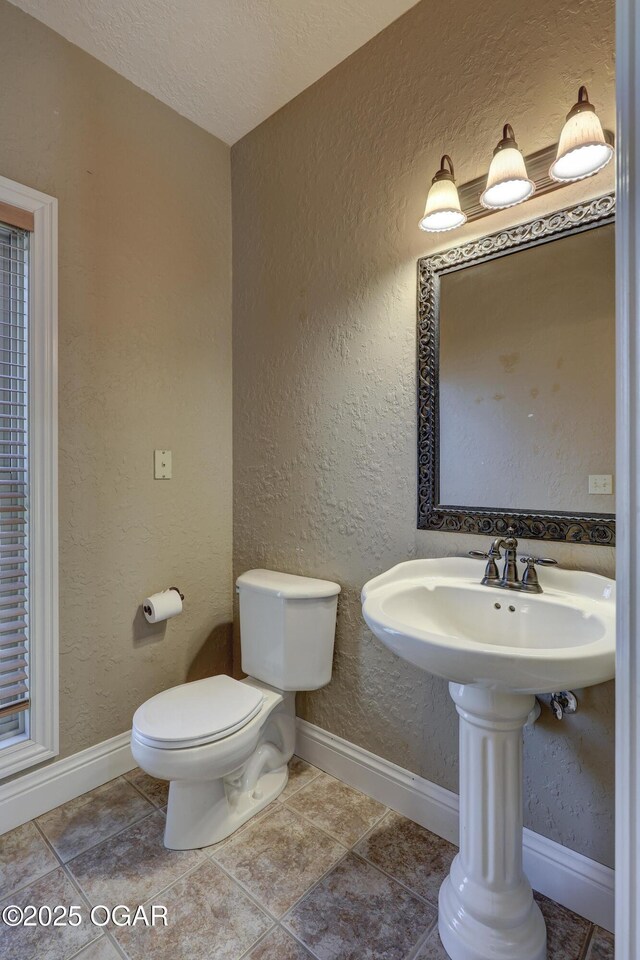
(487, 910)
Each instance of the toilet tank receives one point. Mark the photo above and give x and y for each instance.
(287, 628)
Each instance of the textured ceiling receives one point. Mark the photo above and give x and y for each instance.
(225, 64)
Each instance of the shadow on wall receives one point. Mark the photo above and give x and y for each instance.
(215, 655)
(144, 632)
(236, 649)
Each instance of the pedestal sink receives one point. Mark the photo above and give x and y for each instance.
(497, 648)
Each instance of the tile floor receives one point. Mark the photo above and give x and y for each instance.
(324, 872)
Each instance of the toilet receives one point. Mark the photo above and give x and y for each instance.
(224, 744)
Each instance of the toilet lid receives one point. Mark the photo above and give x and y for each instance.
(196, 713)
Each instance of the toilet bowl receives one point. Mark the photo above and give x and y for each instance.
(224, 744)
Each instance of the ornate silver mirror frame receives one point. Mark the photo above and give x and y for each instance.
(432, 515)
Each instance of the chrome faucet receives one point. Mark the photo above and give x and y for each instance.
(509, 579)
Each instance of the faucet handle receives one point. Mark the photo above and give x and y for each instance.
(491, 569)
(530, 581)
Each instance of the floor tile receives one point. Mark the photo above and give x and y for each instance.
(344, 906)
(358, 912)
(208, 917)
(270, 808)
(278, 858)
(132, 866)
(566, 931)
(278, 945)
(24, 856)
(300, 774)
(602, 945)
(213, 849)
(46, 942)
(85, 821)
(411, 854)
(157, 791)
(432, 948)
(101, 949)
(343, 812)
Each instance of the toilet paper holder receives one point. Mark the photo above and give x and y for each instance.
(147, 609)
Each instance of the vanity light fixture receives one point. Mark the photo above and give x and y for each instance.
(507, 182)
(442, 211)
(582, 150)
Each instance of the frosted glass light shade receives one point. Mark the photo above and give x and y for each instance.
(442, 211)
(582, 150)
(507, 182)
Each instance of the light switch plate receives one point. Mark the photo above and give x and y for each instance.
(162, 464)
(601, 483)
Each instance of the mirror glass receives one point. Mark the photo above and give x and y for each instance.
(524, 382)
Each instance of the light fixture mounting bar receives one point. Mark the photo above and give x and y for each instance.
(537, 164)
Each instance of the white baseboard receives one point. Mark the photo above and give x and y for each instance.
(33, 794)
(582, 885)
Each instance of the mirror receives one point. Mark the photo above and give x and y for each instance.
(516, 362)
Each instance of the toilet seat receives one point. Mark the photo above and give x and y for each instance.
(196, 713)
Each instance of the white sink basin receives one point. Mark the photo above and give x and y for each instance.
(437, 615)
(497, 647)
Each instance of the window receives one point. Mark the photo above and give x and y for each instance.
(28, 479)
(14, 482)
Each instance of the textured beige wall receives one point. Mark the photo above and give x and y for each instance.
(145, 362)
(326, 195)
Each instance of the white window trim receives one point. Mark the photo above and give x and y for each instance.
(43, 446)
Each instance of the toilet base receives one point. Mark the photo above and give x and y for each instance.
(215, 787)
(203, 812)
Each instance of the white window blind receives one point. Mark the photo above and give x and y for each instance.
(14, 485)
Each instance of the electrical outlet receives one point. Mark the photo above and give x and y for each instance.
(601, 483)
(162, 464)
